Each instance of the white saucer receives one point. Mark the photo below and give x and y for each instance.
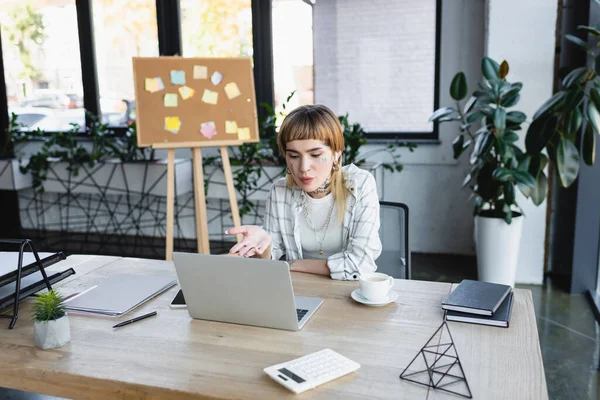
(392, 296)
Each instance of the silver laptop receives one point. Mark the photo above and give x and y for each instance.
(241, 290)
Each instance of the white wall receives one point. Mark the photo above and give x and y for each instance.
(531, 60)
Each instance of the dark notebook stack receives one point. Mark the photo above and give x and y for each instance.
(479, 303)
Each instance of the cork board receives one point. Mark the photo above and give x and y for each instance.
(194, 102)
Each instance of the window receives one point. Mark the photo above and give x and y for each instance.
(216, 28)
(122, 29)
(376, 61)
(42, 67)
(292, 53)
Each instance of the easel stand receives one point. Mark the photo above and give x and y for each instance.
(437, 365)
(199, 196)
(22, 243)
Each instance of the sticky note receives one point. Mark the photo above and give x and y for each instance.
(178, 77)
(172, 124)
(244, 133)
(170, 100)
(186, 92)
(153, 84)
(208, 129)
(210, 97)
(200, 72)
(216, 78)
(232, 90)
(231, 127)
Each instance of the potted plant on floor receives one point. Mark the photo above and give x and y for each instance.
(50, 321)
(497, 166)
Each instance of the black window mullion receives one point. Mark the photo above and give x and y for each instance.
(169, 27)
(262, 43)
(4, 117)
(87, 53)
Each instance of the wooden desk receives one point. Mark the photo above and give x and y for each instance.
(174, 357)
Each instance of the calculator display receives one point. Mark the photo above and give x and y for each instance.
(289, 374)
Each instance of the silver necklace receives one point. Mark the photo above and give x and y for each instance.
(322, 228)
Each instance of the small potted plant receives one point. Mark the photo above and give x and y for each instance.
(50, 321)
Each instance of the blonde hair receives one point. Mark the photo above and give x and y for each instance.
(317, 122)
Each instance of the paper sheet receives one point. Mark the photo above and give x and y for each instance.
(210, 97)
(231, 127)
(170, 100)
(216, 78)
(232, 90)
(244, 133)
(172, 124)
(178, 77)
(186, 92)
(208, 129)
(200, 72)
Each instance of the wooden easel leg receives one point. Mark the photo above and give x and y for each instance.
(170, 203)
(200, 201)
(235, 213)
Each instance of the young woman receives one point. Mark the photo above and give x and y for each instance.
(323, 218)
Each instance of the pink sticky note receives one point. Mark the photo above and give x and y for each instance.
(208, 129)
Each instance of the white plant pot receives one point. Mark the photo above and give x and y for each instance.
(497, 246)
(52, 334)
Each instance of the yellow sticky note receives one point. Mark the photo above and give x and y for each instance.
(172, 124)
(210, 97)
(151, 85)
(244, 133)
(232, 90)
(200, 72)
(231, 127)
(186, 92)
(170, 100)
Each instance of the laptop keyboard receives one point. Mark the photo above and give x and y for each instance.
(301, 313)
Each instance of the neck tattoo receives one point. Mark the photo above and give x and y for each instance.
(323, 189)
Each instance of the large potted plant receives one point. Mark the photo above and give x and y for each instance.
(488, 132)
(50, 321)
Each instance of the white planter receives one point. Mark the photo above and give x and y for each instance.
(11, 177)
(52, 334)
(497, 246)
(117, 178)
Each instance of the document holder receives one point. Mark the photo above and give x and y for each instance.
(18, 276)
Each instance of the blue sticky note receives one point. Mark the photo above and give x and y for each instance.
(178, 77)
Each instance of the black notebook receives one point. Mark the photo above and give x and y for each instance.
(476, 297)
(500, 318)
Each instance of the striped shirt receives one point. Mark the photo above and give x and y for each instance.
(360, 240)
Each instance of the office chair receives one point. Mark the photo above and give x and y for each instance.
(393, 232)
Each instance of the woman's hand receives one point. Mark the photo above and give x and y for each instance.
(256, 240)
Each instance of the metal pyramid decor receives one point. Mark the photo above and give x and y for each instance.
(437, 365)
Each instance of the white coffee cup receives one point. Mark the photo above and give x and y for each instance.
(375, 286)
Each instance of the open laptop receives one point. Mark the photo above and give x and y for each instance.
(241, 290)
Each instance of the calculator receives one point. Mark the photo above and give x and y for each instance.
(312, 370)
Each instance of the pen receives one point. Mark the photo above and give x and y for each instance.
(131, 321)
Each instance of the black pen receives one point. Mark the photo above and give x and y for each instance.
(131, 321)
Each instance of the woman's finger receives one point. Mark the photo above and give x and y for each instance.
(237, 247)
(239, 229)
(247, 249)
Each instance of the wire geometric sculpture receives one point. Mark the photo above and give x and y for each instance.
(443, 369)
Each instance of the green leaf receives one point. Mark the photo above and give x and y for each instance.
(509, 193)
(539, 133)
(597, 64)
(549, 105)
(510, 98)
(516, 117)
(593, 116)
(457, 145)
(524, 178)
(458, 87)
(573, 98)
(595, 97)
(441, 112)
(469, 104)
(588, 148)
(538, 194)
(510, 137)
(574, 122)
(499, 121)
(589, 29)
(474, 116)
(501, 174)
(574, 76)
(507, 214)
(490, 69)
(503, 70)
(567, 160)
(580, 43)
